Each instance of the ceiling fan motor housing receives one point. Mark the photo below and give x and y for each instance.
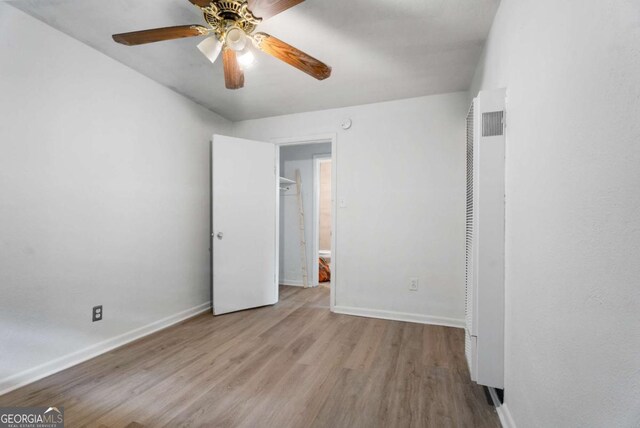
(222, 14)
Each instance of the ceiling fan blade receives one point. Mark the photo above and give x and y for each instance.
(160, 34)
(233, 74)
(267, 8)
(292, 56)
(201, 3)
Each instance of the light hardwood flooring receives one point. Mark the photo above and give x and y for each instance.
(294, 364)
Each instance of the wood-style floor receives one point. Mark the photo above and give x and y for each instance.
(294, 364)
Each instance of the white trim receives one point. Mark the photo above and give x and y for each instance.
(319, 138)
(309, 139)
(503, 411)
(292, 282)
(276, 277)
(399, 316)
(508, 419)
(36, 373)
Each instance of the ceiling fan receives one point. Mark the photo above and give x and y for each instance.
(231, 26)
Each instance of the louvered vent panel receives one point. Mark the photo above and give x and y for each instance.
(492, 124)
(469, 238)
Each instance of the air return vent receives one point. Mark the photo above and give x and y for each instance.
(469, 249)
(492, 124)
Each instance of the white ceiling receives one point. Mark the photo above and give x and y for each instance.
(379, 50)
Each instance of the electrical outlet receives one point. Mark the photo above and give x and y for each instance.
(413, 284)
(97, 313)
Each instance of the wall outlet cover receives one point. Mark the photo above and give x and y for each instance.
(413, 284)
(97, 313)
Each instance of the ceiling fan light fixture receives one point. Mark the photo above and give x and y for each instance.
(236, 39)
(211, 48)
(246, 57)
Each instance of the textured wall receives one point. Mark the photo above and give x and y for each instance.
(572, 73)
(400, 172)
(104, 184)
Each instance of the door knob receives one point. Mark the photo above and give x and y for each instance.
(219, 235)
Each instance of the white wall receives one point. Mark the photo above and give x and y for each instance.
(294, 158)
(104, 198)
(572, 73)
(400, 169)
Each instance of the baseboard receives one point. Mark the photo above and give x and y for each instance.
(505, 417)
(292, 282)
(503, 411)
(399, 316)
(36, 373)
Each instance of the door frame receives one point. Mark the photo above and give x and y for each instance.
(298, 141)
(317, 159)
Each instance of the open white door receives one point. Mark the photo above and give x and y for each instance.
(244, 224)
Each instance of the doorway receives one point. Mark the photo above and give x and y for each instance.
(247, 245)
(306, 213)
